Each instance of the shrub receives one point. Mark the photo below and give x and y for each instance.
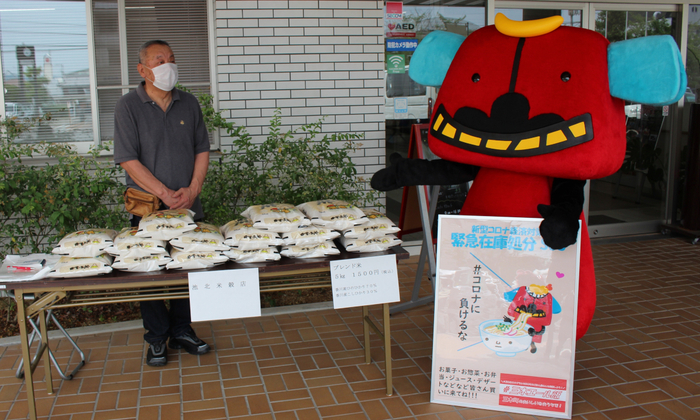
(48, 190)
(293, 166)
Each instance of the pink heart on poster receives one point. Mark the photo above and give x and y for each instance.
(560, 275)
(391, 26)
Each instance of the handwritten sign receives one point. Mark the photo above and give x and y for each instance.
(364, 281)
(224, 294)
(505, 317)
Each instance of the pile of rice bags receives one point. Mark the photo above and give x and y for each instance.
(202, 247)
(166, 224)
(135, 253)
(83, 253)
(310, 242)
(376, 235)
(250, 244)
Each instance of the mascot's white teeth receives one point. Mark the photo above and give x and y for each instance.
(549, 139)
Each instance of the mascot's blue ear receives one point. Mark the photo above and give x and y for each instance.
(647, 70)
(433, 57)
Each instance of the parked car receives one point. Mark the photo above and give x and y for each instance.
(689, 95)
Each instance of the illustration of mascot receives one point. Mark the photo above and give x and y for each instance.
(534, 303)
(529, 111)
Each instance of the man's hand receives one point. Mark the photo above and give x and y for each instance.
(184, 198)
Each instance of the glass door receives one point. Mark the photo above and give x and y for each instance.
(634, 200)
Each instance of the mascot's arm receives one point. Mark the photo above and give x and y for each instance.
(404, 172)
(561, 218)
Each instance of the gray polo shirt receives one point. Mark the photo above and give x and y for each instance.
(164, 142)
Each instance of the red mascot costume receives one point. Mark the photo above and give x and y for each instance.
(529, 111)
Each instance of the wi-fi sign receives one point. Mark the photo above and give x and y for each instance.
(396, 61)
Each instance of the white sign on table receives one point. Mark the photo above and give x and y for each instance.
(505, 317)
(364, 281)
(224, 294)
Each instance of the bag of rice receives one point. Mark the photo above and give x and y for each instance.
(241, 234)
(166, 224)
(370, 245)
(85, 243)
(128, 245)
(333, 214)
(143, 263)
(309, 236)
(195, 260)
(377, 225)
(253, 255)
(204, 237)
(310, 251)
(81, 267)
(276, 217)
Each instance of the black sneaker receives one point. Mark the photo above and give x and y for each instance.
(190, 342)
(157, 354)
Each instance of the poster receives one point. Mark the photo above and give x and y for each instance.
(505, 317)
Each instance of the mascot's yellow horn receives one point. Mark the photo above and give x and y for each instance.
(527, 28)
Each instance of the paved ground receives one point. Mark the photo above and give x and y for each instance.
(639, 360)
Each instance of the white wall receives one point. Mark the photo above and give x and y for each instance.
(308, 58)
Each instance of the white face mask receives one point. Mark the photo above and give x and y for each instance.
(166, 76)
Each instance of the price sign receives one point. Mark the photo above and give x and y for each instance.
(224, 294)
(364, 281)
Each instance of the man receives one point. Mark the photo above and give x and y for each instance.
(161, 141)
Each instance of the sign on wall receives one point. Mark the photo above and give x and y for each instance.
(396, 64)
(505, 317)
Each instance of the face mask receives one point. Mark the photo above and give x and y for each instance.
(166, 76)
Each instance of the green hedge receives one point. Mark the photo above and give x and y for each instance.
(41, 203)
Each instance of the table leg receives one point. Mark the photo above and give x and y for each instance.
(387, 350)
(365, 330)
(47, 354)
(28, 377)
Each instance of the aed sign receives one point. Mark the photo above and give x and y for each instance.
(401, 26)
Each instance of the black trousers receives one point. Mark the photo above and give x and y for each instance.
(160, 322)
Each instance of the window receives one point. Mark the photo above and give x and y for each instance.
(182, 23)
(45, 68)
(47, 47)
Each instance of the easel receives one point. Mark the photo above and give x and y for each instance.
(418, 148)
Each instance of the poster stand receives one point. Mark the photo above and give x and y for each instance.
(429, 200)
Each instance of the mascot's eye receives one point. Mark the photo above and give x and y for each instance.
(476, 77)
(566, 76)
